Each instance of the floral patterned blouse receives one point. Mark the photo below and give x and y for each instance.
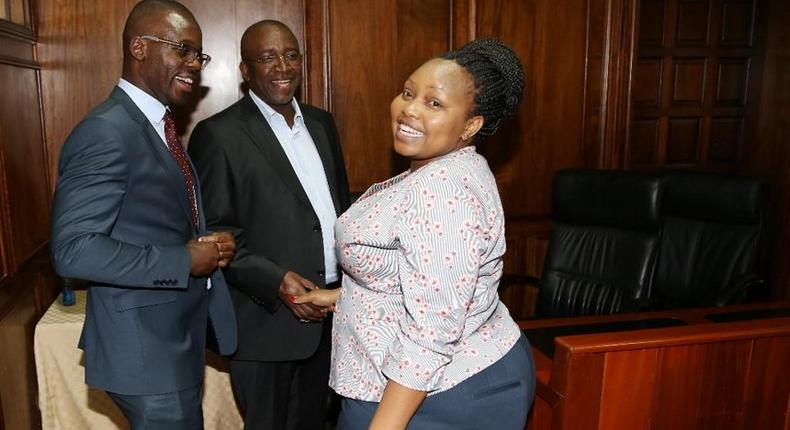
(422, 258)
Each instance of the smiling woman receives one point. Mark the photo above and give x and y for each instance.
(419, 328)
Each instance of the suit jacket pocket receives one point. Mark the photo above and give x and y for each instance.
(132, 299)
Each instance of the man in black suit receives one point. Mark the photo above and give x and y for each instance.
(272, 173)
(127, 217)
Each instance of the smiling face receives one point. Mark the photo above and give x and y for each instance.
(274, 83)
(431, 117)
(163, 74)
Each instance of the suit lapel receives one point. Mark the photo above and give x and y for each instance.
(321, 140)
(159, 149)
(267, 143)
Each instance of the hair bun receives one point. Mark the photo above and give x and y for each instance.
(509, 66)
(498, 76)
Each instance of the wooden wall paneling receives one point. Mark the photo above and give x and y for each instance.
(5, 222)
(546, 134)
(316, 34)
(713, 377)
(24, 162)
(373, 51)
(580, 379)
(616, 71)
(706, 48)
(766, 152)
(79, 50)
(627, 393)
(764, 399)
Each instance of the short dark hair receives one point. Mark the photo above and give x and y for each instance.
(498, 79)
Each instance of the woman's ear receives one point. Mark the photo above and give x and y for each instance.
(472, 126)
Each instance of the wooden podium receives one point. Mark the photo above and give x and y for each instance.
(709, 368)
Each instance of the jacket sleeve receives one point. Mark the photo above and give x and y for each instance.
(253, 274)
(93, 171)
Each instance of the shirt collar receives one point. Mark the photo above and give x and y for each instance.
(151, 107)
(270, 113)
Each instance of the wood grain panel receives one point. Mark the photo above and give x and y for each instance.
(5, 222)
(24, 162)
(16, 51)
(683, 141)
(709, 79)
(628, 387)
(726, 138)
(689, 81)
(737, 23)
(692, 23)
(732, 80)
(767, 395)
(644, 141)
(712, 377)
(79, 69)
(768, 154)
(373, 50)
(546, 134)
(579, 377)
(646, 89)
(651, 22)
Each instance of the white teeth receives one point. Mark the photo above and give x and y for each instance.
(282, 82)
(405, 129)
(185, 80)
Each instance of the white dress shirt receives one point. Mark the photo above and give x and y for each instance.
(303, 156)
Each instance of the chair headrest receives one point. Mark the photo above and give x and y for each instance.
(612, 198)
(711, 197)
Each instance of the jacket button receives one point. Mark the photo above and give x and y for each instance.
(316, 228)
(321, 273)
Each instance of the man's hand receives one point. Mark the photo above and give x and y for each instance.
(294, 285)
(203, 257)
(226, 246)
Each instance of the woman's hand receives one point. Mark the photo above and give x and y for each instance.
(320, 298)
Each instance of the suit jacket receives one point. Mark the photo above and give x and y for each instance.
(251, 189)
(121, 221)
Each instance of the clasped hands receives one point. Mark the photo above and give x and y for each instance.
(209, 252)
(306, 300)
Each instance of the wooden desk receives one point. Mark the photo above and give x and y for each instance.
(690, 373)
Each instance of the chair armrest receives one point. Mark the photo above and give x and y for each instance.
(739, 289)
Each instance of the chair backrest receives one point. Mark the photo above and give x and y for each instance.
(604, 242)
(711, 227)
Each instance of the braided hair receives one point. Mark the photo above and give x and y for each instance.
(498, 80)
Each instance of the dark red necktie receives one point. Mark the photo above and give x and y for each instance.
(178, 153)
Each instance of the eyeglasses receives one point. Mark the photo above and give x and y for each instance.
(187, 53)
(292, 58)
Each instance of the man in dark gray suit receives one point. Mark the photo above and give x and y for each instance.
(127, 217)
(273, 174)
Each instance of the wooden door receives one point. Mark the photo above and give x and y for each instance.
(691, 93)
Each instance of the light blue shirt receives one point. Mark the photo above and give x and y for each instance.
(303, 156)
(151, 107)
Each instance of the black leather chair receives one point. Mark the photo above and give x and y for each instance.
(603, 245)
(711, 226)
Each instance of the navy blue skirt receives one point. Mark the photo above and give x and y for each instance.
(499, 397)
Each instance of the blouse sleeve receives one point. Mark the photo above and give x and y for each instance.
(441, 234)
